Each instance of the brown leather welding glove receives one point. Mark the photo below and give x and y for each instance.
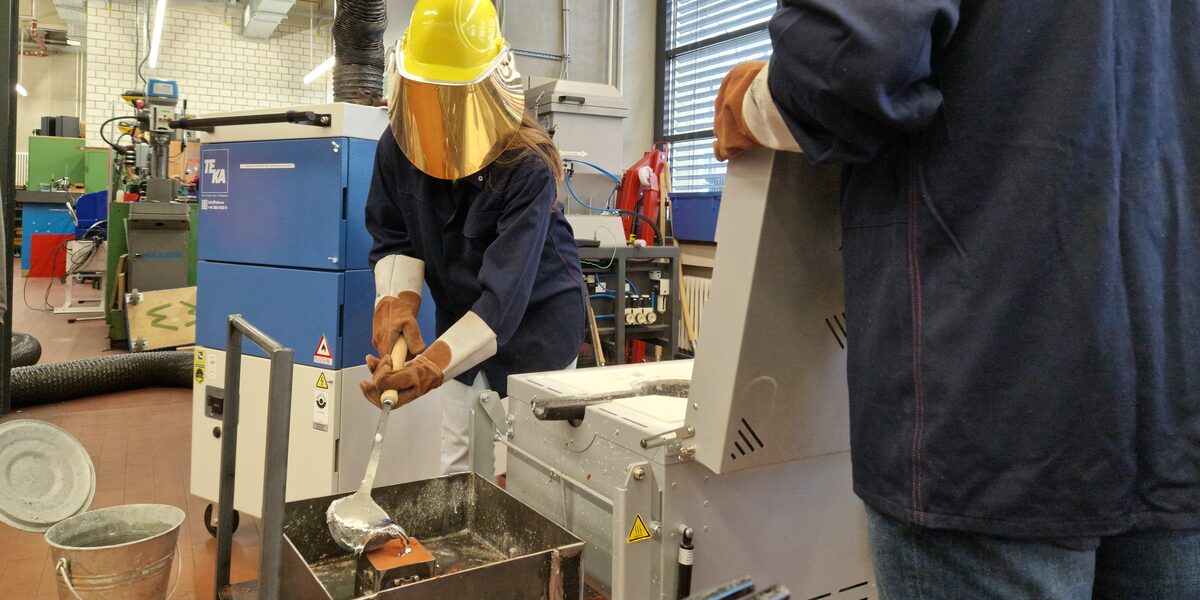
(414, 379)
(733, 136)
(396, 316)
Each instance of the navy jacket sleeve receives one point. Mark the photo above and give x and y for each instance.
(510, 263)
(850, 76)
(385, 222)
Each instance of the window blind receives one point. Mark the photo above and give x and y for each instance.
(704, 40)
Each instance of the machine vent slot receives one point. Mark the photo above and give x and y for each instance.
(842, 591)
(837, 326)
(855, 586)
(750, 438)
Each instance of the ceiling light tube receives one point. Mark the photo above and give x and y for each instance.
(156, 38)
(320, 70)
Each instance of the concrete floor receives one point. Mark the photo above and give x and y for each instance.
(140, 443)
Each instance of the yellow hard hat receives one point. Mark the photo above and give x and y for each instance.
(452, 41)
(458, 97)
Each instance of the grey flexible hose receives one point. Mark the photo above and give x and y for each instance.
(358, 45)
(55, 382)
(26, 351)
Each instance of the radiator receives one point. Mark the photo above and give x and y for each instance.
(695, 294)
(22, 169)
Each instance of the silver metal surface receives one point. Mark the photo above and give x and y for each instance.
(486, 544)
(356, 522)
(279, 418)
(774, 389)
(797, 523)
(158, 246)
(275, 475)
(635, 573)
(492, 407)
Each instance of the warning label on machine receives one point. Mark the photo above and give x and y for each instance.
(638, 532)
(321, 410)
(322, 382)
(199, 362)
(323, 356)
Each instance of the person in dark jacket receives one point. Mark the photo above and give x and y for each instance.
(464, 198)
(1021, 238)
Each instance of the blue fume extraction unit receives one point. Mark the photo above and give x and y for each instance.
(282, 242)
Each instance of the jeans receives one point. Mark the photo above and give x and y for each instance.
(924, 564)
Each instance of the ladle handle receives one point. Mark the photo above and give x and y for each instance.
(389, 398)
(399, 357)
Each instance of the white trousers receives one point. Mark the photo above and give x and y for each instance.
(457, 401)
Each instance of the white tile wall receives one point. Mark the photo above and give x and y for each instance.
(217, 69)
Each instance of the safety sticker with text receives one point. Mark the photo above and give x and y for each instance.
(638, 532)
(321, 410)
(323, 356)
(199, 362)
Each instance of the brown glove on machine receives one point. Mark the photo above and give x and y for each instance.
(729, 124)
(397, 338)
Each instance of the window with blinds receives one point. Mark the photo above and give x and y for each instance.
(704, 40)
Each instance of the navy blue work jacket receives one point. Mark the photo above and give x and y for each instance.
(494, 243)
(1021, 218)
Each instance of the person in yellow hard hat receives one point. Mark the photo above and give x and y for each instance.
(464, 198)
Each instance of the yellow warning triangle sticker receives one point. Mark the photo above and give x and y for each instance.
(322, 382)
(638, 532)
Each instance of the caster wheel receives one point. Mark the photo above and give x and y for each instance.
(210, 520)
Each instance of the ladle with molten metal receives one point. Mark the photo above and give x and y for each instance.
(356, 522)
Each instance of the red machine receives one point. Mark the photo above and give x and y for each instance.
(640, 193)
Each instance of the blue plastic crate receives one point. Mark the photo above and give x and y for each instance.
(694, 216)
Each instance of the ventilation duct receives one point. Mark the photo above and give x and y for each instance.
(358, 46)
(262, 17)
(74, 14)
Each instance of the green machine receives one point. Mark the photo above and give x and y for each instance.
(53, 158)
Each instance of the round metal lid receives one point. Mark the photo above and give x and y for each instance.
(46, 475)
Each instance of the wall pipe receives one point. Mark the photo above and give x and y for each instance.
(566, 39)
(616, 43)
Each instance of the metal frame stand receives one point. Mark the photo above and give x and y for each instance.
(621, 262)
(279, 416)
(70, 303)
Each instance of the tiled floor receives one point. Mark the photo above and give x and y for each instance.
(140, 444)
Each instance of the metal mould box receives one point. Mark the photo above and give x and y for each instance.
(487, 545)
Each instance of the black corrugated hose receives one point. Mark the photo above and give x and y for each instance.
(55, 382)
(358, 45)
(26, 351)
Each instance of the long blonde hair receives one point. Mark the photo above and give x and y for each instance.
(532, 138)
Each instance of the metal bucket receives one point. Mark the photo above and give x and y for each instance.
(123, 552)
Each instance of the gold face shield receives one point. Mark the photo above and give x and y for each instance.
(452, 130)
